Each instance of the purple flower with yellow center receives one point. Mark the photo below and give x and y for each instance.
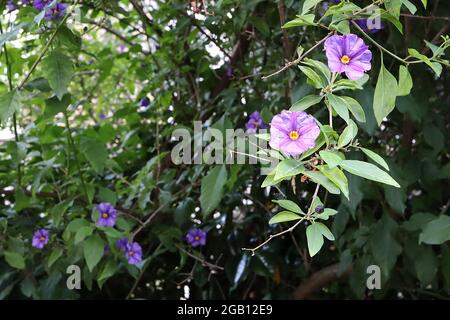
(369, 26)
(108, 215)
(40, 238)
(133, 253)
(56, 12)
(254, 123)
(122, 244)
(196, 237)
(41, 4)
(293, 132)
(349, 54)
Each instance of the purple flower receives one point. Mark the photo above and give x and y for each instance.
(121, 48)
(196, 237)
(326, 5)
(108, 215)
(369, 26)
(40, 238)
(103, 116)
(41, 4)
(11, 5)
(106, 249)
(349, 54)
(254, 123)
(133, 253)
(293, 132)
(56, 12)
(145, 102)
(122, 244)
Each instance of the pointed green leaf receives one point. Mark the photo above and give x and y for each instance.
(385, 94)
(93, 251)
(289, 205)
(212, 189)
(375, 157)
(284, 216)
(58, 71)
(10, 102)
(314, 238)
(368, 171)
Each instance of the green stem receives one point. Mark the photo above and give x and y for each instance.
(75, 155)
(16, 135)
(383, 48)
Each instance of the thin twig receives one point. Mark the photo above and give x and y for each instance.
(205, 263)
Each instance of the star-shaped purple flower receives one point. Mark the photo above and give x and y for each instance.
(108, 215)
(133, 253)
(41, 4)
(56, 12)
(293, 132)
(349, 54)
(196, 237)
(40, 238)
(254, 123)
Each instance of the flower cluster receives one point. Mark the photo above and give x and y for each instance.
(54, 12)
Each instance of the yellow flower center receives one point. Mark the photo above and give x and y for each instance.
(294, 135)
(345, 59)
(105, 216)
(197, 238)
(42, 238)
(130, 253)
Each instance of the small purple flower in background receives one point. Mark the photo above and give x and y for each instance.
(122, 244)
(26, 2)
(368, 26)
(106, 249)
(11, 5)
(254, 123)
(40, 238)
(108, 215)
(196, 237)
(145, 102)
(103, 116)
(133, 253)
(121, 48)
(41, 4)
(293, 132)
(326, 5)
(349, 54)
(56, 12)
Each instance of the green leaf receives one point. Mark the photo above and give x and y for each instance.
(411, 7)
(425, 2)
(306, 102)
(326, 214)
(284, 216)
(95, 152)
(314, 238)
(289, 205)
(305, 20)
(348, 134)
(322, 67)
(405, 82)
(93, 251)
(10, 102)
(368, 171)
(107, 272)
(55, 105)
(270, 181)
(56, 254)
(15, 260)
(309, 4)
(341, 8)
(385, 94)
(288, 168)
(339, 105)
(313, 76)
(355, 108)
(331, 158)
(375, 157)
(83, 233)
(337, 177)
(436, 67)
(436, 231)
(58, 70)
(320, 178)
(212, 189)
(325, 231)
